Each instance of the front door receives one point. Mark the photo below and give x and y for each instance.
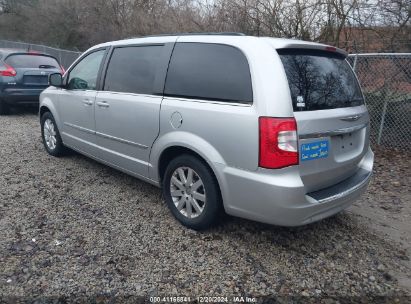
(76, 103)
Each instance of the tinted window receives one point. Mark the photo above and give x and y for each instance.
(84, 75)
(32, 61)
(132, 69)
(320, 80)
(209, 71)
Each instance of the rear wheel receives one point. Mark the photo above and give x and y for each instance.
(4, 108)
(192, 193)
(51, 135)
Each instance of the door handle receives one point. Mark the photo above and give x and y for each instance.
(87, 102)
(102, 104)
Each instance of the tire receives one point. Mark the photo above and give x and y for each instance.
(51, 140)
(202, 193)
(4, 108)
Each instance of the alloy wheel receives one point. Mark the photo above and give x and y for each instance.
(50, 134)
(187, 192)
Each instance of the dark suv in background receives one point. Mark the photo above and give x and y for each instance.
(23, 76)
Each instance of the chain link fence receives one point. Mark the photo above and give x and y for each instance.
(65, 57)
(385, 79)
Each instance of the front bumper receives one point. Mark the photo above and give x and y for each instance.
(281, 198)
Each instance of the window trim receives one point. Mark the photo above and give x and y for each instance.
(161, 69)
(213, 100)
(209, 101)
(80, 59)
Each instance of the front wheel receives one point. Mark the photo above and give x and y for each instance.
(51, 135)
(191, 192)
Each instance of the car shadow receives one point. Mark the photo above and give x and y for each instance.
(23, 110)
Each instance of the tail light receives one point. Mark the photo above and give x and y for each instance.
(278, 142)
(7, 71)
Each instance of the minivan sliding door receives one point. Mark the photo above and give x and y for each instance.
(127, 108)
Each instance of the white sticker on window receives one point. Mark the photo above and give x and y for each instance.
(300, 102)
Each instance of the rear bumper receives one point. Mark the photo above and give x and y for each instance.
(21, 96)
(281, 198)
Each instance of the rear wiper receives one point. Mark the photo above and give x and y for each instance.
(46, 66)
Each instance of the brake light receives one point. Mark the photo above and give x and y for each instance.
(7, 71)
(278, 142)
(330, 49)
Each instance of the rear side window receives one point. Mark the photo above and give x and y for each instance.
(320, 80)
(209, 71)
(132, 69)
(32, 61)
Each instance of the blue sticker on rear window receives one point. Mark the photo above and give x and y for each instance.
(314, 150)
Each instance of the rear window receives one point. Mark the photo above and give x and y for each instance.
(320, 80)
(209, 71)
(32, 61)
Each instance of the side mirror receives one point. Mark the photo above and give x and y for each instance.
(56, 80)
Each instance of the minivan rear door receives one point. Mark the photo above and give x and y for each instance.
(128, 106)
(332, 120)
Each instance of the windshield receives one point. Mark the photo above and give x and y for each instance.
(320, 80)
(32, 61)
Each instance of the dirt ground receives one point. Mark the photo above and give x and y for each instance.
(73, 229)
(386, 208)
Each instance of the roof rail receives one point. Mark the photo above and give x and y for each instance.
(195, 34)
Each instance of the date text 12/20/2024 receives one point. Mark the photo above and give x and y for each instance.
(204, 299)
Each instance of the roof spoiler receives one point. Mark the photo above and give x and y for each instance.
(316, 46)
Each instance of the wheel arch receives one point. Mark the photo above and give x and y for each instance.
(172, 144)
(171, 152)
(46, 105)
(43, 109)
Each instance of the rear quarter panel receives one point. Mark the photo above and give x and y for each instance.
(223, 134)
(228, 132)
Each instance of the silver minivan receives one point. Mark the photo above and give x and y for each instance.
(272, 130)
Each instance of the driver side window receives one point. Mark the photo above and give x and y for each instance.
(84, 75)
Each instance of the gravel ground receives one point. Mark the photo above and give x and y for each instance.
(73, 229)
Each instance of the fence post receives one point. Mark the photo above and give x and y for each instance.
(384, 112)
(355, 62)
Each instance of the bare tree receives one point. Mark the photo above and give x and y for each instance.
(81, 23)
